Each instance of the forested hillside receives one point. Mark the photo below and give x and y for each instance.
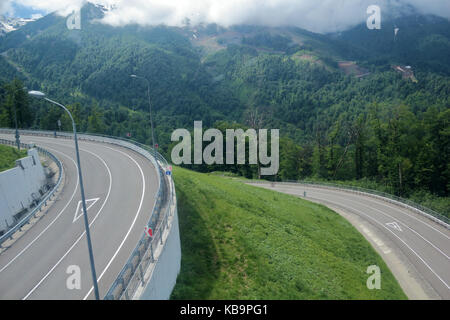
(344, 110)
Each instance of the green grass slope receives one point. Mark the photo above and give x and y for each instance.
(8, 157)
(243, 242)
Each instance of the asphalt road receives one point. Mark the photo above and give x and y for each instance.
(125, 184)
(415, 248)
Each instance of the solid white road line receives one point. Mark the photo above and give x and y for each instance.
(371, 218)
(385, 214)
(398, 221)
(84, 232)
(398, 210)
(410, 216)
(132, 225)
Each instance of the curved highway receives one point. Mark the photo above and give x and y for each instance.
(415, 248)
(120, 186)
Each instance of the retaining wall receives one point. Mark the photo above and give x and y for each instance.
(20, 187)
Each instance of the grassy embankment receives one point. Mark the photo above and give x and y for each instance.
(8, 157)
(243, 242)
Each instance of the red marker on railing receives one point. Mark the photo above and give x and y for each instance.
(149, 232)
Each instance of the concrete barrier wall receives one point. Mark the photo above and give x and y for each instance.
(20, 186)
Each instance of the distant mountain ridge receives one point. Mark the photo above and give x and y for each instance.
(324, 92)
(9, 24)
(194, 69)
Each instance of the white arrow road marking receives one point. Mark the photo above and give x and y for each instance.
(394, 225)
(79, 211)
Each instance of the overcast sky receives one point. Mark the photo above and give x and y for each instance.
(314, 15)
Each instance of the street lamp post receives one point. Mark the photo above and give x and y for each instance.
(41, 95)
(150, 106)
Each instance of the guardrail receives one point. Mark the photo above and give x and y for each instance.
(37, 209)
(427, 212)
(132, 274)
(93, 137)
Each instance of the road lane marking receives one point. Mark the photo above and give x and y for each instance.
(79, 212)
(391, 217)
(383, 203)
(412, 250)
(84, 232)
(394, 225)
(338, 194)
(132, 225)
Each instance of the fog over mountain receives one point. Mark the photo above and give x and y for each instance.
(318, 16)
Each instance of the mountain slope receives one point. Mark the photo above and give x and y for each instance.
(346, 105)
(97, 62)
(421, 41)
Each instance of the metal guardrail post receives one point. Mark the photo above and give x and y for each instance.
(142, 274)
(151, 250)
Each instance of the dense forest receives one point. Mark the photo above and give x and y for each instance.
(381, 130)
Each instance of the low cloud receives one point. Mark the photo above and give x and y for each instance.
(5, 7)
(319, 16)
(64, 7)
